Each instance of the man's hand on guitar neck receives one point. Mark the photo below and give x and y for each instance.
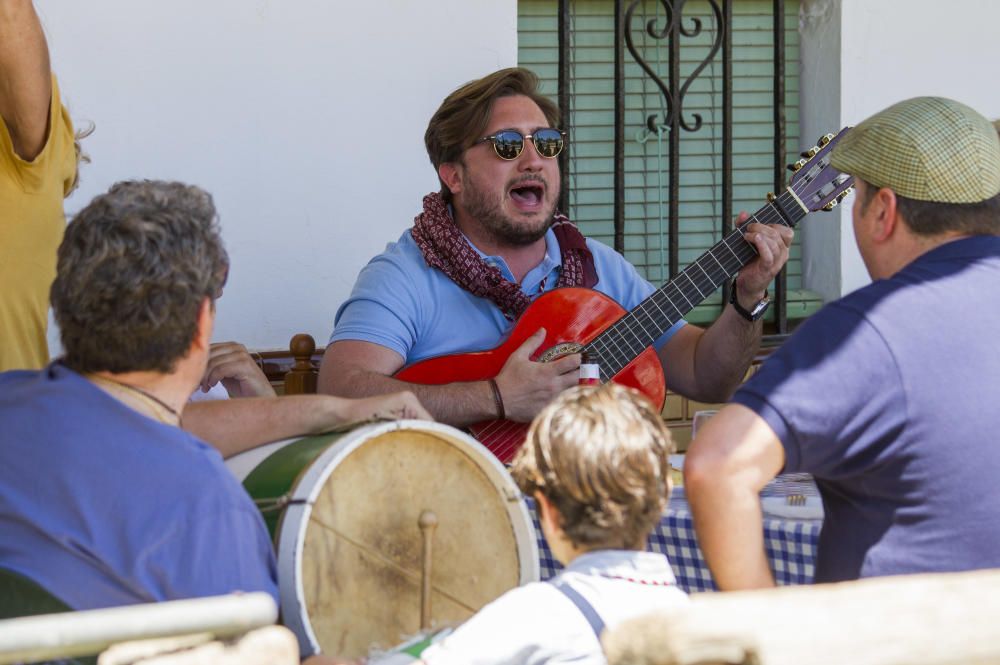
(772, 242)
(526, 386)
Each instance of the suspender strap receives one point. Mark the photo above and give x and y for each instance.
(586, 609)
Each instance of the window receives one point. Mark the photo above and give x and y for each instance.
(591, 148)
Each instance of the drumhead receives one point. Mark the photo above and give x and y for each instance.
(349, 544)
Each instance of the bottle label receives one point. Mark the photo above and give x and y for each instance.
(590, 374)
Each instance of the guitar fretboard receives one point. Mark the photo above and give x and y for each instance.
(620, 344)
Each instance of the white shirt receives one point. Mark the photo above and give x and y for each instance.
(537, 623)
(218, 391)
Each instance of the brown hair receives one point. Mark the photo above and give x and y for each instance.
(930, 218)
(462, 117)
(601, 456)
(132, 272)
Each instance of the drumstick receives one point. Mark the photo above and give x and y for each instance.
(428, 522)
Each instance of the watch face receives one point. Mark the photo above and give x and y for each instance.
(760, 308)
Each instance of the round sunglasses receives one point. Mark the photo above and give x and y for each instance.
(508, 143)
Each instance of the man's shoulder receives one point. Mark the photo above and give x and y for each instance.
(399, 260)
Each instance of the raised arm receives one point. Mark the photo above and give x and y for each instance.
(25, 77)
(708, 365)
(731, 459)
(360, 369)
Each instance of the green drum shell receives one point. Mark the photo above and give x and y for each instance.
(271, 482)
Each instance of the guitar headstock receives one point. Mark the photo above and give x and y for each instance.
(817, 184)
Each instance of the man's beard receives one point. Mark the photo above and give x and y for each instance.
(487, 208)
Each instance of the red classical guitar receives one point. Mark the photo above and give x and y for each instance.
(577, 319)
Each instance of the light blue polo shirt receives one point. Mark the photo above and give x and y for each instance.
(400, 303)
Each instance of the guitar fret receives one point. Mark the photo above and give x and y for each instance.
(695, 288)
(698, 265)
(712, 254)
(642, 308)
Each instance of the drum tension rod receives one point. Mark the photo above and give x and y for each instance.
(271, 504)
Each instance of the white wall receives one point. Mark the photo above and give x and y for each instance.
(304, 118)
(888, 51)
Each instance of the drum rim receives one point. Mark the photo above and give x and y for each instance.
(291, 544)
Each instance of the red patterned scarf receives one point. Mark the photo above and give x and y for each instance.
(445, 248)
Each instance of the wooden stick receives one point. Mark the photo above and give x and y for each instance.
(428, 523)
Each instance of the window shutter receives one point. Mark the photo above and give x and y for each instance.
(646, 154)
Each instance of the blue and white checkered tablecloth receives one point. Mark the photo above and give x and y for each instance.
(790, 544)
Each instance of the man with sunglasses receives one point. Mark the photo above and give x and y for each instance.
(489, 243)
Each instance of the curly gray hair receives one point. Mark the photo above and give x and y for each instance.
(132, 272)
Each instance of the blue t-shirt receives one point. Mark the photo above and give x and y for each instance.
(104, 506)
(400, 303)
(889, 397)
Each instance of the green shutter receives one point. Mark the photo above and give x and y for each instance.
(646, 157)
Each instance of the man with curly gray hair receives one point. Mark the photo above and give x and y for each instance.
(104, 499)
(134, 509)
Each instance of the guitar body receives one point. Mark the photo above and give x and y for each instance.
(571, 317)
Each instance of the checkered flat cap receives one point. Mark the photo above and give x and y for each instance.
(925, 148)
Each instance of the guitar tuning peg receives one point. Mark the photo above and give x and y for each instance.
(825, 139)
(771, 197)
(810, 153)
(797, 165)
(843, 194)
(832, 204)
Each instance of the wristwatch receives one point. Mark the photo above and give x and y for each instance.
(753, 314)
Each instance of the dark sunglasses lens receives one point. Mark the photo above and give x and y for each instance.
(508, 144)
(548, 142)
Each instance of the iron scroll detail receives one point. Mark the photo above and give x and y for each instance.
(673, 29)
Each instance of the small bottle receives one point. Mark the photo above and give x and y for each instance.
(590, 370)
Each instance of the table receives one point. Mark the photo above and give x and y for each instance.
(790, 543)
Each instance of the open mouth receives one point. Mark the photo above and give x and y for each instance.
(528, 196)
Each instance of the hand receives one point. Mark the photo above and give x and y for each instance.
(771, 242)
(394, 406)
(526, 386)
(232, 364)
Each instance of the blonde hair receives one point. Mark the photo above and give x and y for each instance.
(81, 156)
(601, 456)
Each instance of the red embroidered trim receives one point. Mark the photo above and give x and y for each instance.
(632, 579)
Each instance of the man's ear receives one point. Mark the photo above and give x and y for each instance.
(206, 322)
(884, 214)
(450, 174)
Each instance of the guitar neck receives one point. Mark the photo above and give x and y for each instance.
(621, 343)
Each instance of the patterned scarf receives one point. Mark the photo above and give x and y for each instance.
(445, 248)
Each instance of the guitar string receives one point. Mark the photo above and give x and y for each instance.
(772, 213)
(729, 264)
(497, 429)
(503, 437)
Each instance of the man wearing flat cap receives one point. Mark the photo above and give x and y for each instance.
(889, 396)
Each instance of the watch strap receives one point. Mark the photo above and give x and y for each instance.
(753, 314)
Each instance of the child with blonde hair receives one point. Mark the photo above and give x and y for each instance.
(596, 463)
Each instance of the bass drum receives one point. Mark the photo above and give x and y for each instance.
(344, 509)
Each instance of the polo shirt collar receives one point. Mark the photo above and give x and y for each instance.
(551, 262)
